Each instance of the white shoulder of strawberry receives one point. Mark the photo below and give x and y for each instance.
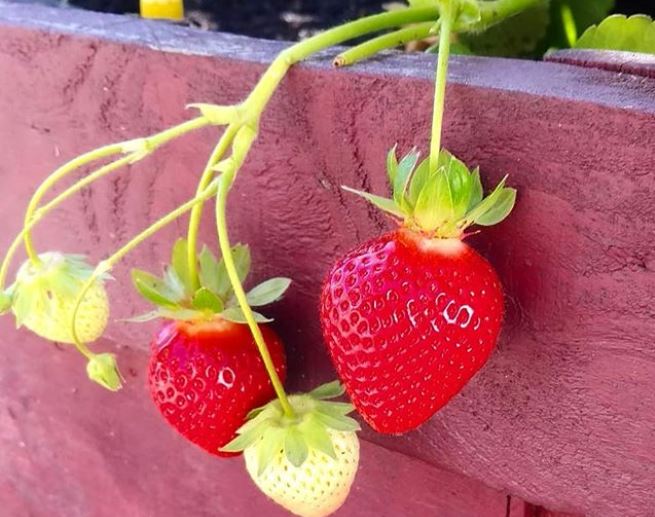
(177, 296)
(440, 202)
(306, 462)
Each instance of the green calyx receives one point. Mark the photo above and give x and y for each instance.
(175, 296)
(440, 203)
(271, 431)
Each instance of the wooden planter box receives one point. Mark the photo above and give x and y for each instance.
(563, 415)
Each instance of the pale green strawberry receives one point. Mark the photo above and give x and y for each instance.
(307, 463)
(44, 298)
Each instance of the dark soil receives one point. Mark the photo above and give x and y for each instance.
(286, 19)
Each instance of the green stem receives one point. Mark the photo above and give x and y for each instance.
(226, 250)
(256, 102)
(196, 213)
(43, 210)
(139, 148)
(386, 41)
(106, 265)
(445, 30)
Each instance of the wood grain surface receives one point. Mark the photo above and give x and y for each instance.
(563, 414)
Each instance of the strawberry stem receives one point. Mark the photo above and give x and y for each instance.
(137, 148)
(386, 41)
(196, 212)
(447, 11)
(254, 105)
(106, 265)
(225, 184)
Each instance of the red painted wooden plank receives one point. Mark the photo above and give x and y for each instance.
(614, 61)
(73, 449)
(563, 414)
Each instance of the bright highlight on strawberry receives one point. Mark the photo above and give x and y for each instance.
(305, 463)
(44, 296)
(411, 316)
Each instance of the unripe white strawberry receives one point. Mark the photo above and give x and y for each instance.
(44, 298)
(307, 462)
(319, 486)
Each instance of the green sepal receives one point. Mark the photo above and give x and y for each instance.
(492, 209)
(5, 301)
(268, 291)
(401, 181)
(272, 432)
(153, 289)
(329, 390)
(383, 203)
(235, 315)
(392, 165)
(180, 264)
(440, 199)
(102, 369)
(210, 275)
(175, 299)
(205, 300)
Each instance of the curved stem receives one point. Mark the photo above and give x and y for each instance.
(256, 102)
(139, 147)
(386, 41)
(445, 30)
(196, 213)
(107, 264)
(42, 211)
(226, 251)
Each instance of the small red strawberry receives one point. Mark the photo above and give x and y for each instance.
(205, 373)
(411, 316)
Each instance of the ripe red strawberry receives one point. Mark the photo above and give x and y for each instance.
(205, 372)
(411, 316)
(205, 377)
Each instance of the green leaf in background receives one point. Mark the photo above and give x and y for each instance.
(572, 15)
(618, 32)
(517, 36)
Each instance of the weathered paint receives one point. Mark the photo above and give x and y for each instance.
(562, 415)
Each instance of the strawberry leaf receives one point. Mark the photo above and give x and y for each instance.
(618, 32)
(235, 314)
(205, 300)
(268, 291)
(338, 423)
(383, 203)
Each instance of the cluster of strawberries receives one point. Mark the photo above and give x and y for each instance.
(408, 317)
